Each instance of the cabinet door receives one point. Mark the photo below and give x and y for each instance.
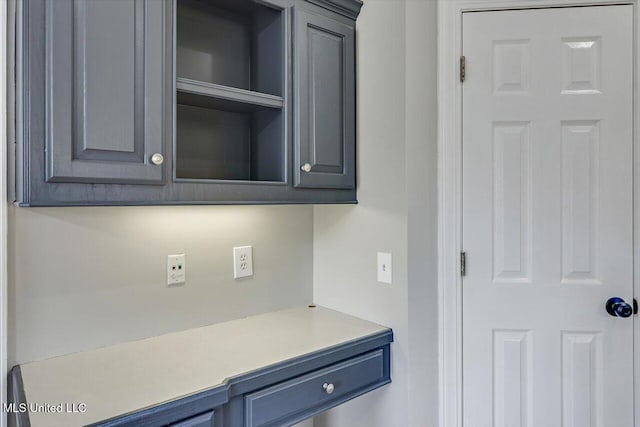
(324, 85)
(106, 97)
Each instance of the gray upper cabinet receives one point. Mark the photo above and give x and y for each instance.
(146, 102)
(104, 89)
(324, 85)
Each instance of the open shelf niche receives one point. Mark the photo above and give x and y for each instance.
(230, 85)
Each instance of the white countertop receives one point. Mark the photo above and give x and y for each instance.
(119, 379)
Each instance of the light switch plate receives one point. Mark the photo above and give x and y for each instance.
(242, 262)
(176, 269)
(385, 269)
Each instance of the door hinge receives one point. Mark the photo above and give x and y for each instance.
(463, 263)
(463, 68)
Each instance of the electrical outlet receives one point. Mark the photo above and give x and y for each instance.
(242, 262)
(176, 269)
(385, 270)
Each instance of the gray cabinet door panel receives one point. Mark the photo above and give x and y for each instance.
(324, 85)
(105, 90)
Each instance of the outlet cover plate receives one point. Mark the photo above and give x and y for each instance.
(242, 262)
(385, 268)
(176, 269)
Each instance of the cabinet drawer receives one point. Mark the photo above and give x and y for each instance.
(202, 420)
(310, 394)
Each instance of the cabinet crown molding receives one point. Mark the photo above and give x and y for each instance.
(348, 8)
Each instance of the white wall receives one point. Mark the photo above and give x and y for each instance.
(346, 238)
(83, 278)
(422, 211)
(397, 213)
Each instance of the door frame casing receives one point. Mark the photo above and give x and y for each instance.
(450, 191)
(6, 133)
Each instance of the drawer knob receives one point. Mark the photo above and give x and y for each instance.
(328, 387)
(157, 159)
(306, 168)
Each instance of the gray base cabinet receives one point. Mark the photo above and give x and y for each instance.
(141, 102)
(279, 395)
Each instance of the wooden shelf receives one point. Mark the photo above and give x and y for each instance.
(210, 95)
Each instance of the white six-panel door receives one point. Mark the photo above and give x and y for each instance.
(547, 217)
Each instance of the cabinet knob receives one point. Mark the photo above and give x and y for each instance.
(328, 387)
(157, 159)
(306, 167)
